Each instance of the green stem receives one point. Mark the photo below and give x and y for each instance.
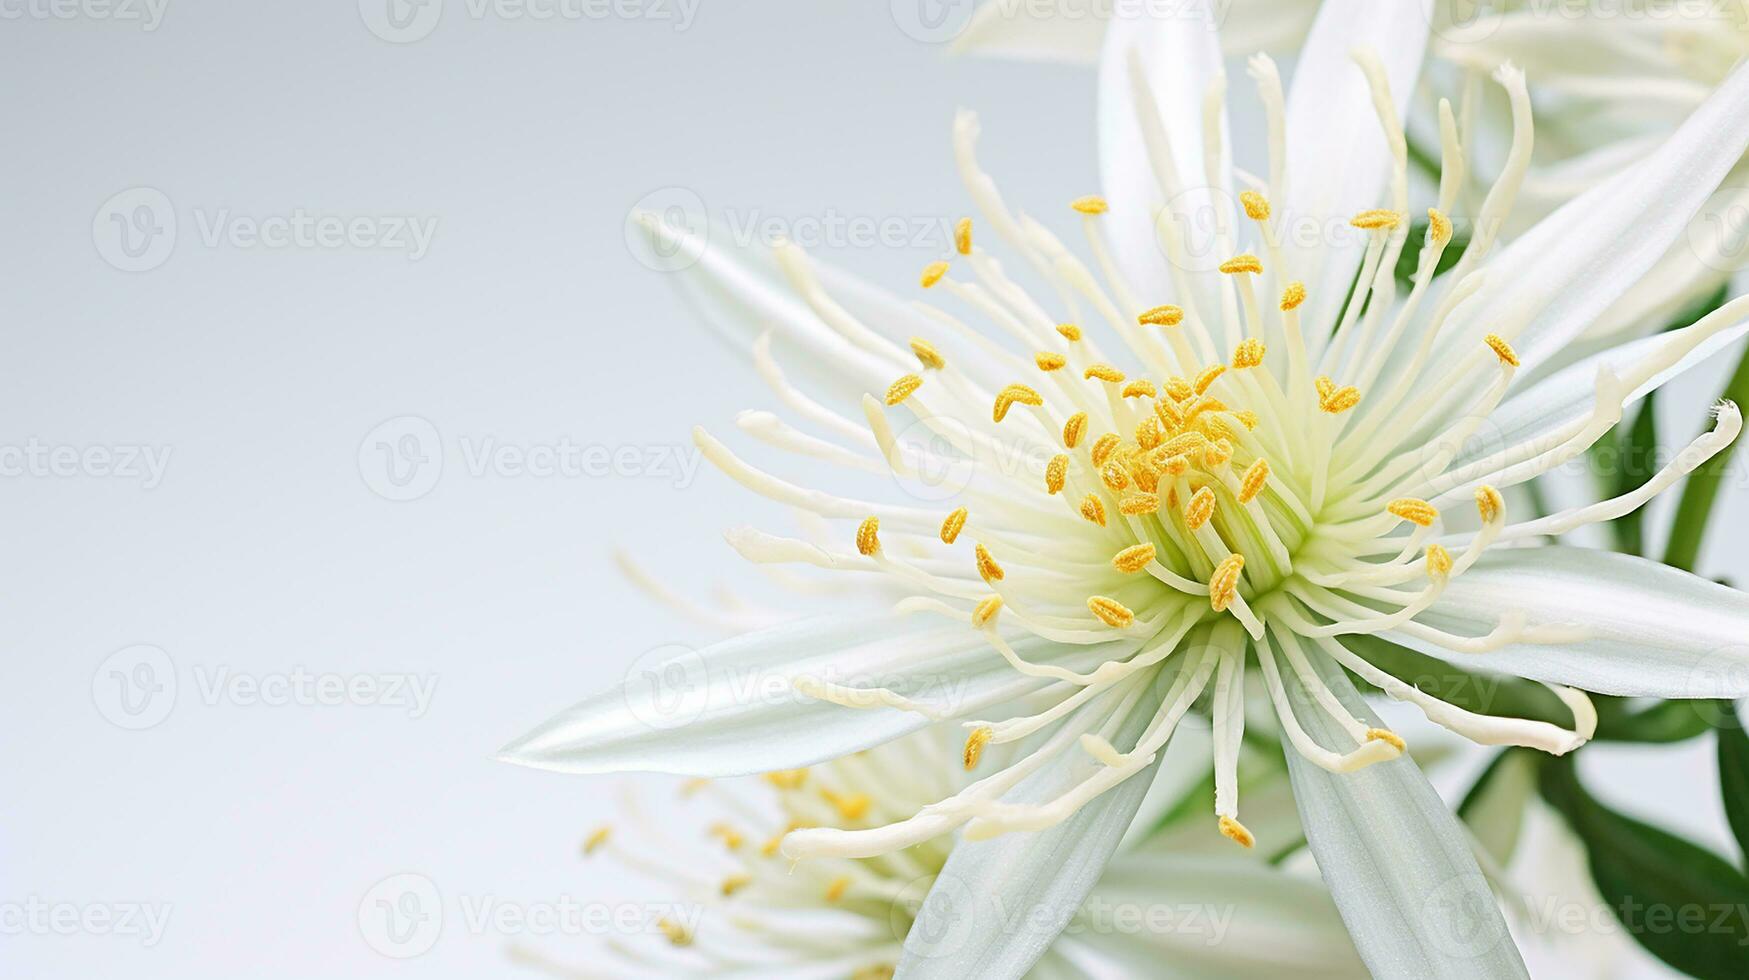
(1702, 488)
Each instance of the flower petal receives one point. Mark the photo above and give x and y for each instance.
(1644, 629)
(1031, 30)
(731, 709)
(1338, 163)
(1397, 862)
(1549, 285)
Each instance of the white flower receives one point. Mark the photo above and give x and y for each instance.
(1261, 470)
(739, 907)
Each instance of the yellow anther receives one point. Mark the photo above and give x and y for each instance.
(1012, 394)
(1235, 831)
(1293, 296)
(1070, 332)
(901, 389)
(769, 848)
(875, 971)
(1256, 205)
(1049, 361)
(1114, 476)
(1218, 454)
(1177, 465)
(596, 839)
(1247, 418)
(1137, 504)
(1103, 447)
(1438, 561)
(1224, 583)
(1134, 558)
(1162, 316)
(1336, 400)
(735, 883)
(730, 837)
(1249, 353)
(926, 353)
(1388, 737)
(1110, 611)
(1325, 386)
(1414, 510)
(1056, 472)
(678, 935)
(1169, 414)
(693, 785)
(1438, 227)
(1139, 388)
(1207, 378)
(987, 566)
(1502, 349)
(1242, 263)
(975, 743)
(953, 525)
(837, 888)
(1251, 484)
(1147, 481)
(1103, 372)
(962, 236)
(1179, 388)
(1091, 204)
(1376, 218)
(787, 778)
(932, 274)
(1200, 508)
(868, 536)
(850, 806)
(1093, 509)
(1148, 434)
(1074, 429)
(1185, 444)
(1489, 503)
(986, 610)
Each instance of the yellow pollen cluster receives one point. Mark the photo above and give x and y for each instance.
(987, 566)
(1140, 388)
(926, 353)
(1070, 332)
(730, 837)
(1256, 475)
(1242, 263)
(1138, 503)
(1438, 227)
(986, 610)
(901, 389)
(1056, 472)
(1110, 611)
(1114, 476)
(1091, 204)
(1104, 446)
(678, 935)
(1414, 510)
(868, 536)
(1103, 372)
(1093, 509)
(975, 743)
(1200, 508)
(932, 274)
(1134, 558)
(1293, 296)
(1336, 400)
(1224, 583)
(962, 236)
(1388, 737)
(850, 806)
(596, 840)
(1074, 429)
(1012, 394)
(1049, 361)
(1502, 349)
(1438, 561)
(735, 883)
(1235, 831)
(1256, 205)
(1489, 503)
(953, 525)
(1377, 218)
(1207, 378)
(837, 888)
(1249, 353)
(1162, 316)
(787, 778)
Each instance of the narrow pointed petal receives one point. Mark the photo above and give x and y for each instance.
(1397, 862)
(1642, 629)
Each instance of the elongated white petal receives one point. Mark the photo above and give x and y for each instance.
(732, 708)
(1645, 629)
(1338, 161)
(1397, 861)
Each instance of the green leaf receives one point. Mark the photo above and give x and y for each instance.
(1622, 463)
(1734, 779)
(1682, 903)
(1701, 489)
(1494, 807)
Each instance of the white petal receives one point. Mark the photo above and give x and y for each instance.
(1646, 629)
(1567, 271)
(731, 709)
(1397, 862)
(1338, 161)
(1035, 30)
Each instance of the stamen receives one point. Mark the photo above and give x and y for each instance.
(730, 837)
(1414, 510)
(1162, 316)
(867, 536)
(1502, 349)
(987, 566)
(1207, 378)
(1242, 263)
(1218, 454)
(1093, 509)
(975, 743)
(962, 236)
(787, 778)
(927, 354)
(1012, 394)
(1336, 400)
(1114, 476)
(1049, 361)
(953, 525)
(1134, 558)
(902, 388)
(735, 883)
(1235, 831)
(596, 839)
(1249, 353)
(1135, 505)
(1293, 296)
(1110, 611)
(1091, 204)
(932, 274)
(1224, 583)
(1070, 332)
(1056, 472)
(1200, 509)
(1139, 388)
(1489, 503)
(850, 806)
(1377, 218)
(1256, 475)
(1438, 227)
(1388, 737)
(1438, 562)
(1103, 372)
(837, 888)
(1256, 205)
(986, 610)
(677, 934)
(1074, 429)
(1103, 446)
